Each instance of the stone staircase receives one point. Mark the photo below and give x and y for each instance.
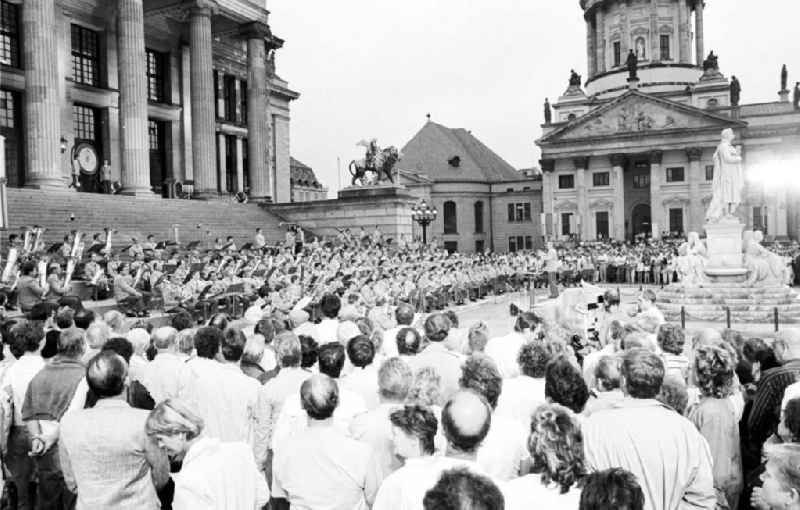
(746, 304)
(198, 220)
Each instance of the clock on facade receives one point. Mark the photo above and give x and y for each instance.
(86, 155)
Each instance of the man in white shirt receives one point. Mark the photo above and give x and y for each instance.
(404, 315)
(436, 355)
(140, 341)
(504, 453)
(161, 376)
(374, 427)
(320, 467)
(223, 396)
(363, 378)
(327, 328)
(505, 349)
(650, 317)
(465, 420)
(522, 394)
(27, 340)
(259, 241)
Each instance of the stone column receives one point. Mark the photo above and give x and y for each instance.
(657, 217)
(617, 171)
(133, 98)
(696, 176)
(600, 30)
(41, 98)
(202, 91)
(222, 168)
(655, 40)
(581, 165)
(548, 166)
(684, 39)
(698, 36)
(258, 140)
(591, 52)
(239, 165)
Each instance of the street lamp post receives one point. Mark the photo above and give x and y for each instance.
(423, 214)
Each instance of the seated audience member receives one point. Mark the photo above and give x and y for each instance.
(503, 453)
(344, 471)
(29, 292)
(426, 389)
(556, 448)
(374, 426)
(459, 488)
(435, 354)
(126, 295)
(781, 479)
(110, 434)
(465, 421)
(611, 489)
(663, 449)
(671, 340)
(363, 379)
(505, 350)
(717, 419)
(408, 342)
(251, 360)
(309, 350)
(607, 391)
(674, 394)
(84, 318)
(213, 474)
(564, 384)
(404, 316)
(477, 338)
(326, 330)
(522, 394)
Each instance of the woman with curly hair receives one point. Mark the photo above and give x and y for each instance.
(717, 417)
(558, 468)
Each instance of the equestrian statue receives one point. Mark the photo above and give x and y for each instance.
(377, 161)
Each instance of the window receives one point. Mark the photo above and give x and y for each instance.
(566, 181)
(229, 97)
(511, 214)
(709, 172)
(84, 121)
(216, 94)
(641, 181)
(480, 246)
(518, 243)
(153, 135)
(243, 101)
(600, 179)
(617, 53)
(601, 224)
(85, 56)
(450, 220)
(676, 220)
(245, 167)
(156, 76)
(566, 218)
(8, 109)
(665, 47)
(509, 190)
(451, 246)
(528, 242)
(519, 212)
(758, 218)
(675, 174)
(9, 34)
(512, 244)
(478, 210)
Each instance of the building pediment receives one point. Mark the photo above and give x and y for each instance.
(635, 113)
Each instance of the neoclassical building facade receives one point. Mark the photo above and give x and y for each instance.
(625, 155)
(161, 90)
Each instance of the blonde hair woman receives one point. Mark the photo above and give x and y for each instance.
(215, 474)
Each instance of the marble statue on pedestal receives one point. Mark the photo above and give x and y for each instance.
(691, 261)
(763, 266)
(728, 179)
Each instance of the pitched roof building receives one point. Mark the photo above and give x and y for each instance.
(305, 186)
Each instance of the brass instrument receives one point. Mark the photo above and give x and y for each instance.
(76, 245)
(37, 232)
(108, 232)
(13, 253)
(70, 271)
(26, 245)
(138, 277)
(42, 267)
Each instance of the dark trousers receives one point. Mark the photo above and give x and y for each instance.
(51, 491)
(21, 467)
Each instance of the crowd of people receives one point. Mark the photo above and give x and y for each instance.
(343, 386)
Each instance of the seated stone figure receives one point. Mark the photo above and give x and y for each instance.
(763, 266)
(691, 261)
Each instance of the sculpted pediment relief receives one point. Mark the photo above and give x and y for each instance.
(565, 205)
(638, 113)
(676, 201)
(601, 203)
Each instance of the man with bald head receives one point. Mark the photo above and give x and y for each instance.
(161, 376)
(765, 413)
(106, 457)
(466, 419)
(320, 467)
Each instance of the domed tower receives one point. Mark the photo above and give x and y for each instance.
(661, 34)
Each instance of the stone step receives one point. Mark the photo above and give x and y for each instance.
(728, 301)
(792, 307)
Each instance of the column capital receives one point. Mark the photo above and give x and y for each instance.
(655, 157)
(547, 164)
(581, 162)
(694, 154)
(618, 159)
(255, 30)
(200, 7)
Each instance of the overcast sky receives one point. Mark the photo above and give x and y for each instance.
(374, 68)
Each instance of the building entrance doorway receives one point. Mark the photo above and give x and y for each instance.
(641, 220)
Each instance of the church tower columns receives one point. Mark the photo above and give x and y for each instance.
(698, 28)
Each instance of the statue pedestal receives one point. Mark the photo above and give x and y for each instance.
(384, 190)
(724, 245)
(784, 95)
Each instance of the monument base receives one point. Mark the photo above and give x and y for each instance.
(379, 191)
(724, 244)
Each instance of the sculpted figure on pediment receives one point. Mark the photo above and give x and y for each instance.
(631, 117)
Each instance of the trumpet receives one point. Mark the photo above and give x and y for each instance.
(108, 232)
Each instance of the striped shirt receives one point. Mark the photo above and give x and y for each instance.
(765, 413)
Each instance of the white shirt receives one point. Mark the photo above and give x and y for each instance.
(405, 488)
(520, 397)
(322, 469)
(217, 475)
(504, 351)
(293, 417)
(306, 328)
(138, 367)
(162, 375)
(18, 377)
(363, 381)
(528, 492)
(223, 396)
(260, 242)
(791, 392)
(505, 448)
(389, 344)
(375, 429)
(326, 331)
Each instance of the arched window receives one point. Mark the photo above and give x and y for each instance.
(479, 217)
(449, 217)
